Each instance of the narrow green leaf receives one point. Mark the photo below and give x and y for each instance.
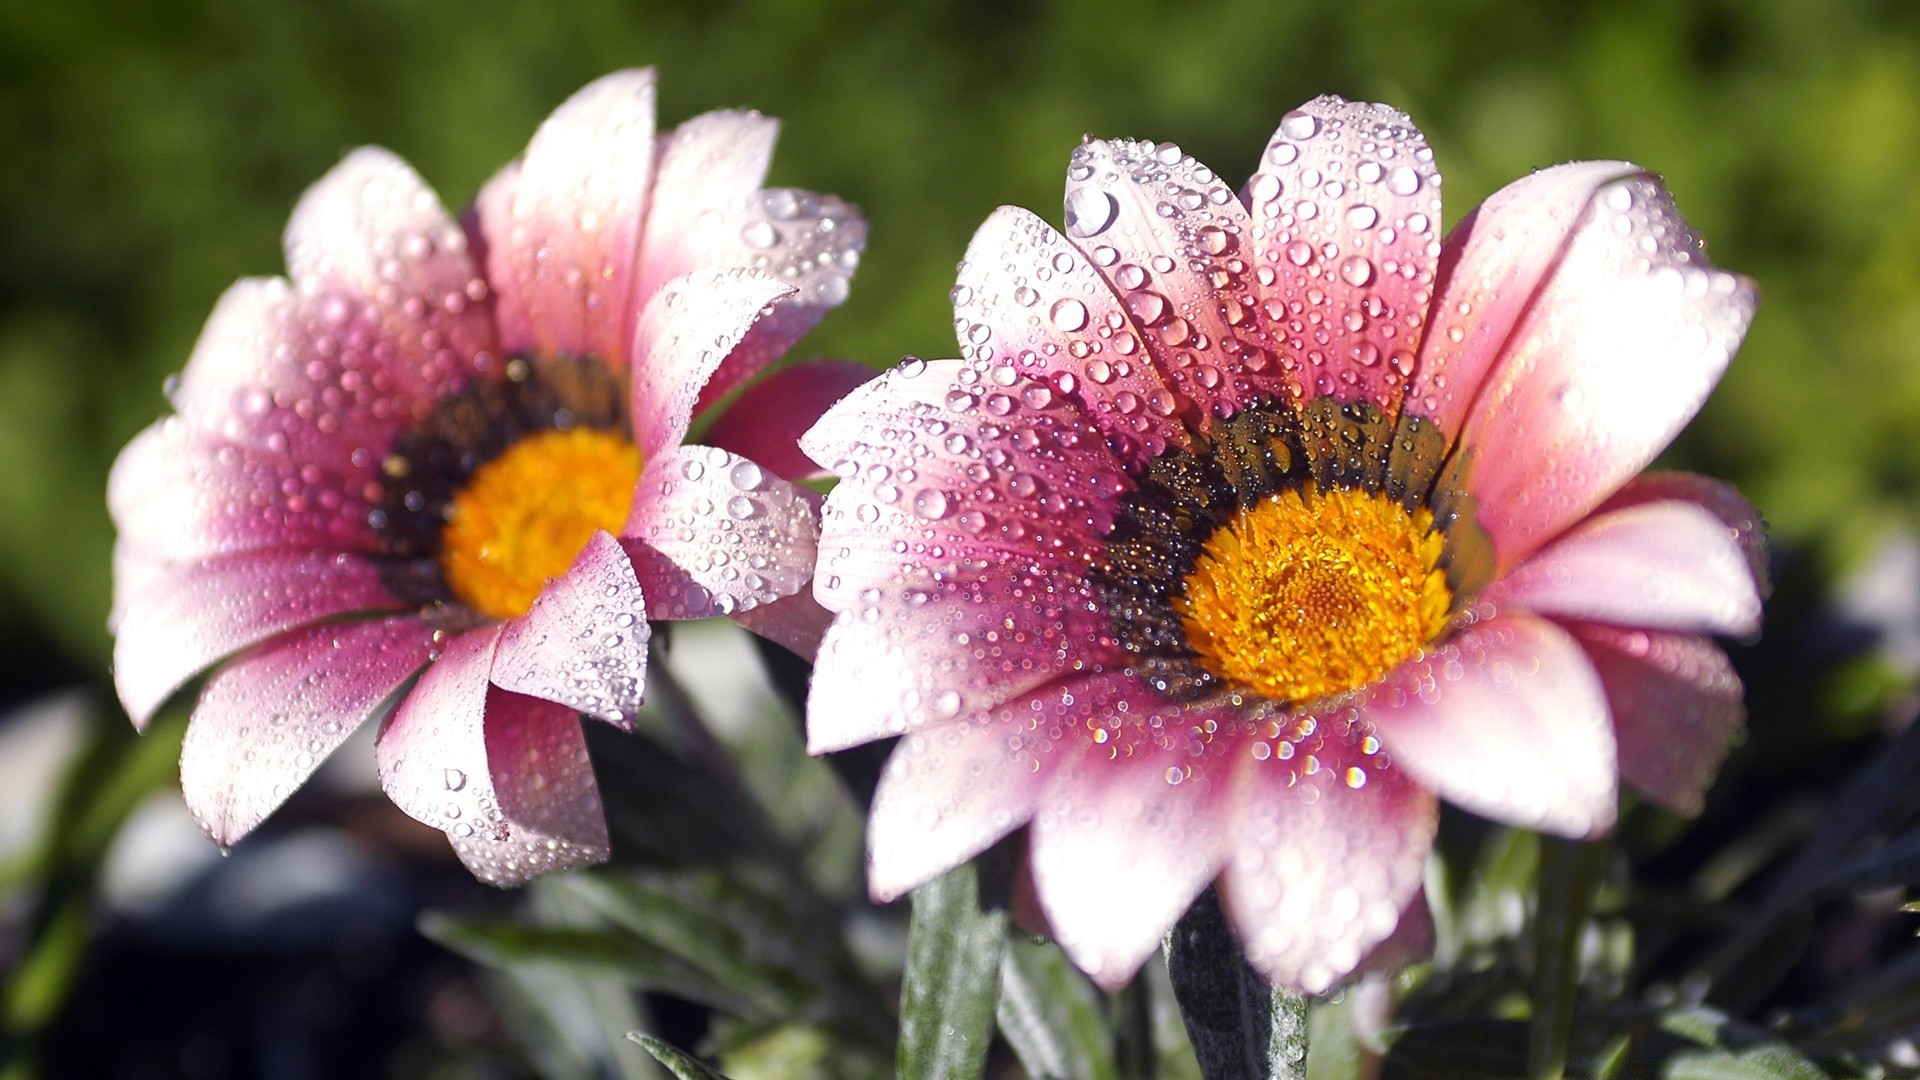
(1335, 1052)
(684, 1066)
(952, 979)
(1773, 1062)
(1569, 877)
(1240, 1026)
(1051, 1016)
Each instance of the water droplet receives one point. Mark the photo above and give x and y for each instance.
(932, 504)
(1362, 216)
(1089, 212)
(1403, 181)
(1356, 270)
(759, 235)
(1299, 124)
(455, 779)
(1070, 314)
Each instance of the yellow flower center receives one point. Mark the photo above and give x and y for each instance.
(523, 517)
(1308, 593)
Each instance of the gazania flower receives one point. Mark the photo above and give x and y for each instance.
(1249, 523)
(455, 451)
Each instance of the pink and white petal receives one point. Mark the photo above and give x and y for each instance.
(1172, 242)
(927, 649)
(701, 167)
(549, 800)
(562, 226)
(1332, 843)
(189, 615)
(1029, 304)
(1346, 225)
(1717, 497)
(684, 333)
(269, 717)
(432, 748)
(1130, 829)
(1492, 265)
(797, 622)
(711, 533)
(1677, 706)
(1616, 354)
(991, 472)
(1666, 565)
(179, 493)
(583, 644)
(1507, 719)
(950, 791)
(810, 242)
(765, 422)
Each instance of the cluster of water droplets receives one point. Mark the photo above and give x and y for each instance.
(584, 641)
(811, 242)
(550, 804)
(1346, 233)
(944, 462)
(734, 537)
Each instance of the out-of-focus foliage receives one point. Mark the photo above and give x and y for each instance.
(149, 154)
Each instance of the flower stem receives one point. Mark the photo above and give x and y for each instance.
(1569, 878)
(1240, 1026)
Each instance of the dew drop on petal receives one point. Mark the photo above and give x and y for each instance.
(1069, 314)
(1090, 211)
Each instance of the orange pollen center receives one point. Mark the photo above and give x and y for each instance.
(524, 516)
(1308, 593)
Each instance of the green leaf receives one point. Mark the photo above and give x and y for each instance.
(1051, 1015)
(952, 980)
(1569, 877)
(1240, 1026)
(683, 1066)
(1334, 1048)
(1772, 1062)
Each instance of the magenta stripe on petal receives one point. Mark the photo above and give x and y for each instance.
(562, 225)
(189, 616)
(711, 534)
(1507, 719)
(1491, 266)
(549, 801)
(1676, 708)
(1346, 228)
(1669, 565)
(432, 749)
(765, 422)
(923, 650)
(583, 644)
(1164, 231)
(1132, 827)
(269, 717)
(1331, 844)
(681, 337)
(982, 473)
(1617, 352)
(1028, 303)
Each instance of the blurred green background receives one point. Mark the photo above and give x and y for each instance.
(149, 153)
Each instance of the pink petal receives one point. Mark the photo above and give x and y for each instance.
(925, 650)
(711, 533)
(190, 615)
(432, 749)
(1715, 496)
(1028, 303)
(765, 422)
(1332, 842)
(1669, 565)
(797, 622)
(1616, 353)
(1676, 706)
(1166, 233)
(1131, 828)
(179, 493)
(537, 761)
(1491, 266)
(583, 644)
(269, 717)
(1346, 225)
(562, 226)
(687, 329)
(950, 791)
(702, 167)
(1008, 471)
(1507, 719)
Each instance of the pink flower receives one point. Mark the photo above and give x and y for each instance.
(1249, 524)
(414, 458)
